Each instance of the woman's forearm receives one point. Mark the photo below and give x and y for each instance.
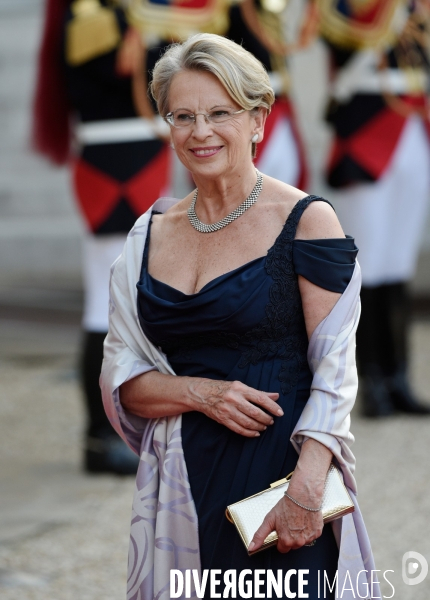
(231, 403)
(311, 471)
(155, 394)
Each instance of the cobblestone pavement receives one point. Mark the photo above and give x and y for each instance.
(64, 535)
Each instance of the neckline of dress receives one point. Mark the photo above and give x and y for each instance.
(215, 280)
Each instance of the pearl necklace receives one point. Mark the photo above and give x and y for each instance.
(237, 212)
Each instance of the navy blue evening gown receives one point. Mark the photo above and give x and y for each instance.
(247, 325)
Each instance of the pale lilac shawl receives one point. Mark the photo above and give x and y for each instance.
(164, 527)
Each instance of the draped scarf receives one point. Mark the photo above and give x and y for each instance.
(164, 525)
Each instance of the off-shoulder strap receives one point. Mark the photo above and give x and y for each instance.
(328, 263)
(296, 214)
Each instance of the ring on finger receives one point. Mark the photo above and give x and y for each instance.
(311, 543)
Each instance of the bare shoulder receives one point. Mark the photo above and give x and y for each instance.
(319, 221)
(170, 227)
(281, 197)
(172, 216)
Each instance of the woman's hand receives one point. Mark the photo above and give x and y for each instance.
(235, 405)
(294, 525)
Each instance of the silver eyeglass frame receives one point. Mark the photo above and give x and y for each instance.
(169, 118)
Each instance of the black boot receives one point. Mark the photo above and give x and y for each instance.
(382, 352)
(371, 346)
(402, 397)
(109, 454)
(105, 452)
(375, 397)
(399, 310)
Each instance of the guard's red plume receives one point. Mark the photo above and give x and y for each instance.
(51, 127)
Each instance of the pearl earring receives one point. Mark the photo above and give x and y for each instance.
(254, 138)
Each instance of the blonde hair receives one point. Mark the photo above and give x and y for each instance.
(241, 74)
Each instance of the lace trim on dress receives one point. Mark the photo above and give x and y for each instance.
(282, 331)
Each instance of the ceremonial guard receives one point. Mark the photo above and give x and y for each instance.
(92, 111)
(260, 27)
(380, 159)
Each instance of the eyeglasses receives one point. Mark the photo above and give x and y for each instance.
(186, 118)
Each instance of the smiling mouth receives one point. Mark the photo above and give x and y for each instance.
(206, 151)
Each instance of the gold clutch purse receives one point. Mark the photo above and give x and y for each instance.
(248, 514)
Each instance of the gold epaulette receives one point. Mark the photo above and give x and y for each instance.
(352, 31)
(93, 31)
(179, 19)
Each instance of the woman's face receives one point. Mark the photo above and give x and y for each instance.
(207, 149)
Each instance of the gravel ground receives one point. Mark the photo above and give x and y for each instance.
(64, 535)
(78, 548)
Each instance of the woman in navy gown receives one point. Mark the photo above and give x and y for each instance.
(233, 306)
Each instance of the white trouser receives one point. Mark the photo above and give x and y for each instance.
(387, 217)
(280, 157)
(99, 252)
